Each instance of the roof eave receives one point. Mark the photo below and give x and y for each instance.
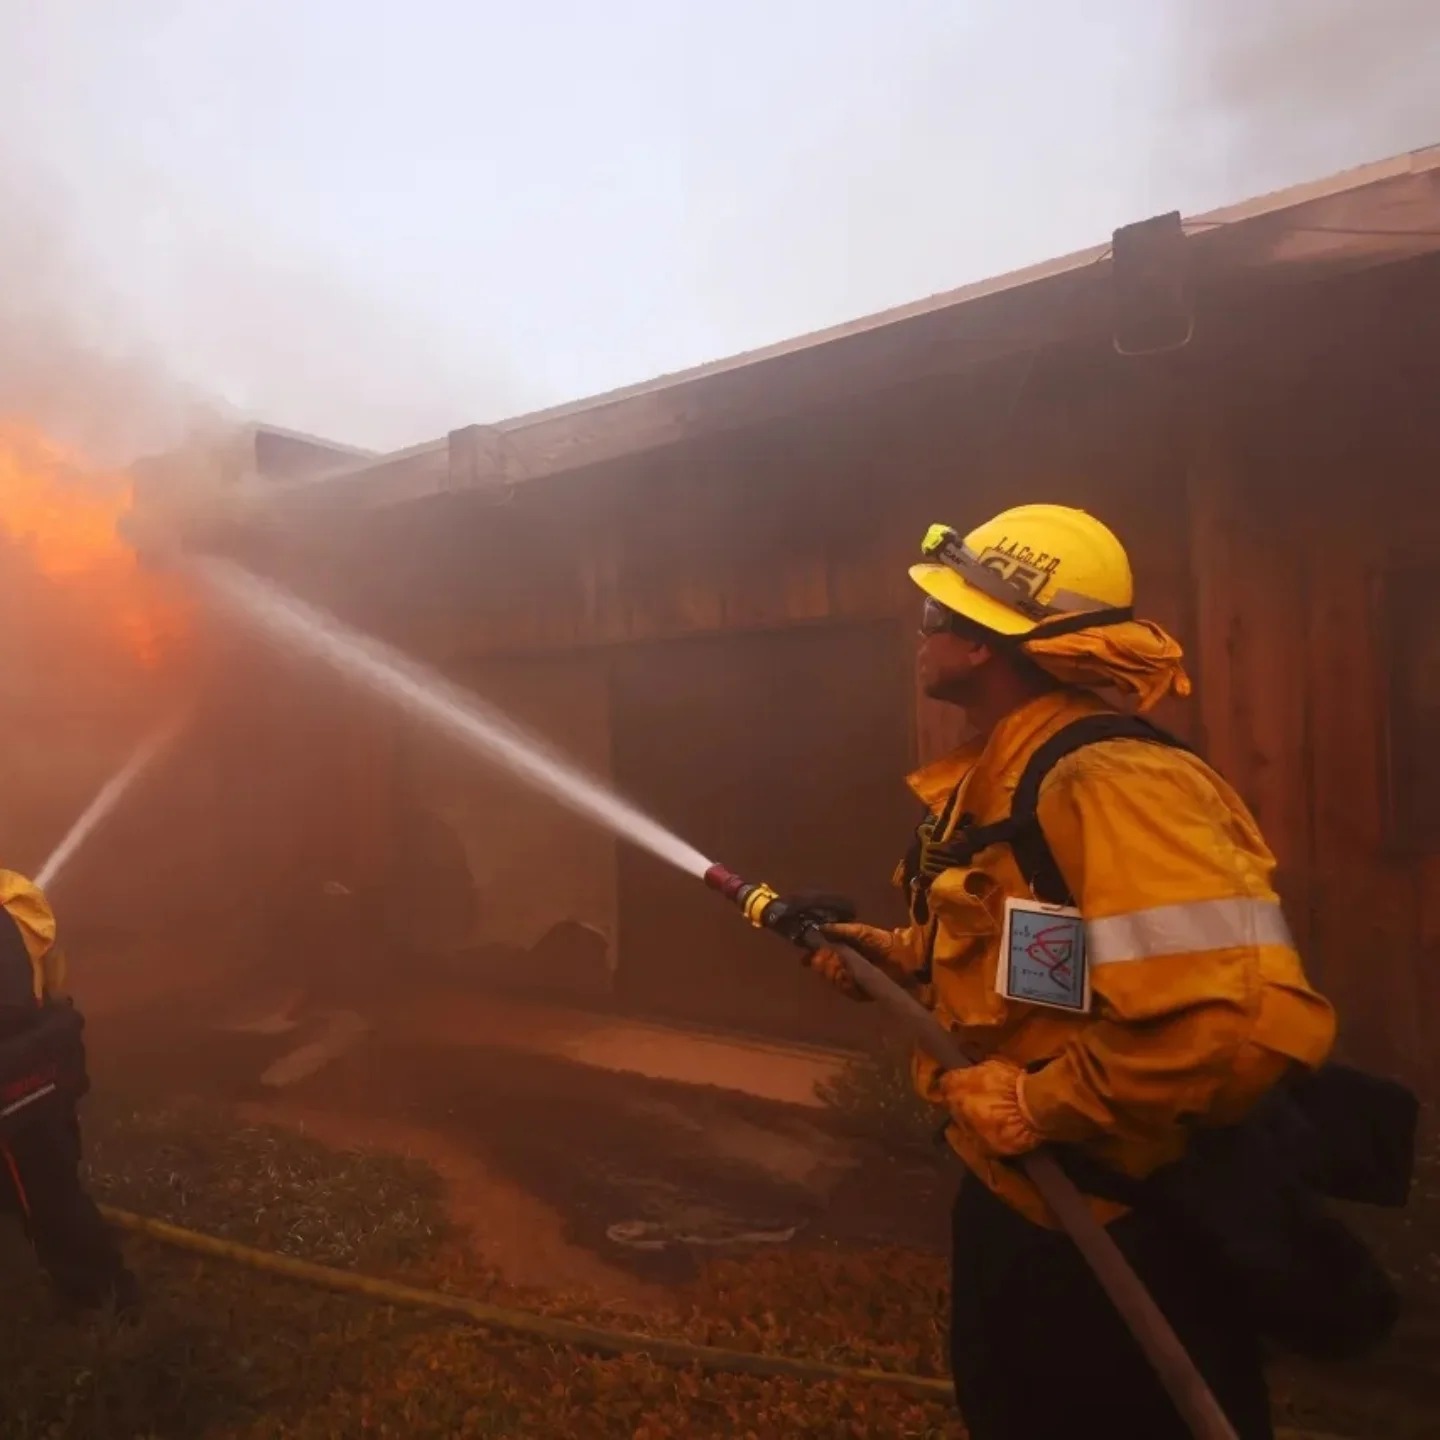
(1374, 214)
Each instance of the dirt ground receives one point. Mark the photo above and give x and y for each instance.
(546, 1160)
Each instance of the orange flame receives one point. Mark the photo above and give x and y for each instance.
(63, 513)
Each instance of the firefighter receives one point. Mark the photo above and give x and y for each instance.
(1092, 911)
(42, 1076)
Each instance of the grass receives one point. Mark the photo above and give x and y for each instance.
(192, 1165)
(222, 1353)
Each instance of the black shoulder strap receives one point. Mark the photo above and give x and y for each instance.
(1020, 829)
(1024, 834)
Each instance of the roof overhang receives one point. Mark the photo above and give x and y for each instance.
(1375, 215)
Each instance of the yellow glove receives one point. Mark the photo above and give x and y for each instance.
(881, 948)
(989, 1100)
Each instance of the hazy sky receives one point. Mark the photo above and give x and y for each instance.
(378, 220)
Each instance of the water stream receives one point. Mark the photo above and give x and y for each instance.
(264, 606)
(110, 794)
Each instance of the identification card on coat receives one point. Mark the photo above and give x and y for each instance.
(1042, 956)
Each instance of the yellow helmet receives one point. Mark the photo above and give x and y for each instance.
(1037, 567)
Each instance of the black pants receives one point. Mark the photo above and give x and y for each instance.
(1037, 1349)
(40, 1183)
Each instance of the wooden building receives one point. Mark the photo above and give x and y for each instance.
(697, 587)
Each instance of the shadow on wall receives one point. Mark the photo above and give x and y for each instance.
(433, 914)
(571, 960)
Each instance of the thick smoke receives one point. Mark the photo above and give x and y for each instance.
(1279, 91)
(74, 693)
(66, 363)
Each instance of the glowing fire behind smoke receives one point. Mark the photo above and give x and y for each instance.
(62, 514)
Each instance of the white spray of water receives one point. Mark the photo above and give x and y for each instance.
(429, 695)
(106, 799)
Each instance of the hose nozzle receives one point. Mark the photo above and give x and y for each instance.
(755, 899)
(727, 882)
(797, 918)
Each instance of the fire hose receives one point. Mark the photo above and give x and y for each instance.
(1183, 1382)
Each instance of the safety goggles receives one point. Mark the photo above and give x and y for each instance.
(935, 618)
(938, 619)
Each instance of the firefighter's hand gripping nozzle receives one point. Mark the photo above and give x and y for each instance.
(797, 918)
(801, 919)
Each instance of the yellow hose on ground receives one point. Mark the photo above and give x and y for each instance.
(679, 1353)
(524, 1322)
